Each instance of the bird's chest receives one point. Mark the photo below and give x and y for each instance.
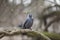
(30, 21)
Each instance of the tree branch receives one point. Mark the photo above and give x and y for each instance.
(54, 20)
(24, 32)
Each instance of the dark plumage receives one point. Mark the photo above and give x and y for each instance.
(28, 23)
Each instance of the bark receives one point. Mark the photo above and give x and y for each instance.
(52, 36)
(37, 35)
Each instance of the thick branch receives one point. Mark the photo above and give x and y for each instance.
(53, 36)
(24, 32)
(55, 13)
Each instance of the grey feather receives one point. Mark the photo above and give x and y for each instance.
(28, 23)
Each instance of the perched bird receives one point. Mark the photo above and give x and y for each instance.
(28, 23)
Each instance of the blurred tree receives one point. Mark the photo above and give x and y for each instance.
(55, 14)
(51, 10)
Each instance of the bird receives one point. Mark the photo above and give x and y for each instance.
(20, 25)
(28, 22)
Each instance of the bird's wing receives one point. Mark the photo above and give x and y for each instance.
(26, 22)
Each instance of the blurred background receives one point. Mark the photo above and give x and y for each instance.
(46, 14)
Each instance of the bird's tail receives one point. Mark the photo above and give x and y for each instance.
(21, 25)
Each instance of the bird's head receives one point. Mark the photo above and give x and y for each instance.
(30, 15)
